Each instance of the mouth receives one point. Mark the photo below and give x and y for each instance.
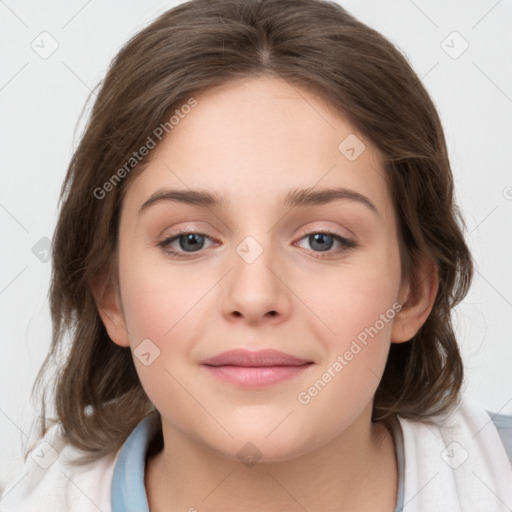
(247, 368)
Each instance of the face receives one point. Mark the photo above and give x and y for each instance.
(262, 268)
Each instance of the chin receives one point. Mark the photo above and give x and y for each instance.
(251, 445)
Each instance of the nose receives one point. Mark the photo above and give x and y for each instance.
(255, 291)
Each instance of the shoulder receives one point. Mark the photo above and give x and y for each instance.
(503, 424)
(487, 428)
(484, 433)
(452, 454)
(49, 482)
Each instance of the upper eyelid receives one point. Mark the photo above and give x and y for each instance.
(327, 230)
(304, 233)
(204, 231)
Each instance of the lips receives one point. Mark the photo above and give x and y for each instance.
(247, 358)
(248, 369)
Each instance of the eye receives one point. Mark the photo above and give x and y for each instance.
(185, 244)
(323, 241)
(179, 245)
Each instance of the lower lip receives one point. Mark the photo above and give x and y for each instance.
(252, 376)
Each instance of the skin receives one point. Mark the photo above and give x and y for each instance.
(253, 141)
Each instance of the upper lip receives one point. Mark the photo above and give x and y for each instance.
(242, 357)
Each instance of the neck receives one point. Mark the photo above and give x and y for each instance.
(356, 470)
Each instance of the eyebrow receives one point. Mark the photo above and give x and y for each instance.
(294, 198)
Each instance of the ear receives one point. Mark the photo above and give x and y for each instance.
(417, 299)
(109, 307)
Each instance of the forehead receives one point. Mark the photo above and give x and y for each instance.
(254, 140)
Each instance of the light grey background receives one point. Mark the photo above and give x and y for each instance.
(41, 100)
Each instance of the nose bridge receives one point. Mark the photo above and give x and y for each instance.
(255, 290)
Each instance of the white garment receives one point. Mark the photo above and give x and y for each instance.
(460, 466)
(52, 485)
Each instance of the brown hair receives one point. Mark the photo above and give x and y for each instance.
(313, 44)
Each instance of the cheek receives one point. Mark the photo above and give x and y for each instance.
(157, 299)
(350, 300)
(357, 306)
(163, 305)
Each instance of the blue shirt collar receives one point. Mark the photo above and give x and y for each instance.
(128, 490)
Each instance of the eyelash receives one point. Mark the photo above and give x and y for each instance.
(346, 243)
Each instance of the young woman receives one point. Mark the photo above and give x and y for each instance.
(256, 258)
